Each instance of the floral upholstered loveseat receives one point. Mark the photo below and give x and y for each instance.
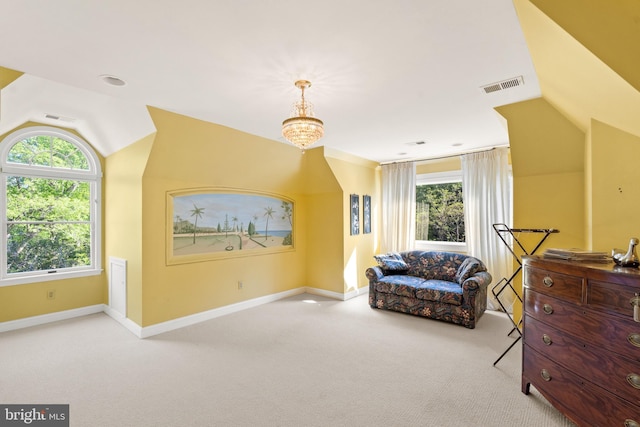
(440, 285)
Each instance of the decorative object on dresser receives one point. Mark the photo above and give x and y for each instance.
(581, 345)
(628, 258)
(577, 255)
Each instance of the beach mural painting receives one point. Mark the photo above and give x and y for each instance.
(209, 224)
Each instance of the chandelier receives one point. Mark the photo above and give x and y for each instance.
(302, 129)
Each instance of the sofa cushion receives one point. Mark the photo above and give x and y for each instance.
(392, 262)
(440, 290)
(401, 285)
(434, 265)
(468, 268)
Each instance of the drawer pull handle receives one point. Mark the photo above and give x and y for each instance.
(634, 339)
(546, 339)
(635, 302)
(547, 281)
(631, 423)
(545, 375)
(547, 308)
(634, 380)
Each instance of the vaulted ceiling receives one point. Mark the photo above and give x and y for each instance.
(385, 74)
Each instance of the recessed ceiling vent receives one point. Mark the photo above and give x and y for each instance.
(416, 143)
(505, 84)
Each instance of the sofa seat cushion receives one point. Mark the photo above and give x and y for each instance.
(404, 286)
(440, 290)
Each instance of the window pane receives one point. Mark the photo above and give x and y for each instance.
(440, 212)
(51, 206)
(44, 199)
(49, 151)
(34, 247)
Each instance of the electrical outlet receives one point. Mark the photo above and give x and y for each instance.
(51, 294)
(240, 285)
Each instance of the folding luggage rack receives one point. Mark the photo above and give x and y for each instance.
(504, 232)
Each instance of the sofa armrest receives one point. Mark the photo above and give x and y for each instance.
(374, 274)
(476, 282)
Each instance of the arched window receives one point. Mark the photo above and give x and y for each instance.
(50, 197)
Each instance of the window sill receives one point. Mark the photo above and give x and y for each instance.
(425, 245)
(36, 278)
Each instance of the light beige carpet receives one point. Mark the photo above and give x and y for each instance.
(292, 362)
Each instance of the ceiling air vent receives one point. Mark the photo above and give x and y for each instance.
(60, 118)
(505, 84)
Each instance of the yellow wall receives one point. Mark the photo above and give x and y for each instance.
(356, 176)
(615, 201)
(189, 154)
(547, 157)
(324, 218)
(20, 301)
(123, 216)
(608, 29)
(439, 165)
(7, 76)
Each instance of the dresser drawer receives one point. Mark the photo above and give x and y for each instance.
(606, 369)
(608, 332)
(611, 297)
(549, 282)
(583, 402)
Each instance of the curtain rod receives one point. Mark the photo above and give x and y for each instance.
(445, 157)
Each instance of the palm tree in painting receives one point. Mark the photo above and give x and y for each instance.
(287, 211)
(197, 213)
(287, 214)
(234, 219)
(268, 212)
(255, 221)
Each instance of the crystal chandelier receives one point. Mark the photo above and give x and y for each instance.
(302, 129)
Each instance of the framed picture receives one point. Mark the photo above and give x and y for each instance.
(366, 214)
(206, 224)
(355, 214)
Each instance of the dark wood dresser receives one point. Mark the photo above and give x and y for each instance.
(581, 345)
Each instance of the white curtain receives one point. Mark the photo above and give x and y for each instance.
(487, 200)
(398, 206)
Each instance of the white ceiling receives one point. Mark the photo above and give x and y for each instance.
(385, 74)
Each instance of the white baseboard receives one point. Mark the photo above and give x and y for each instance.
(49, 318)
(337, 295)
(170, 325)
(192, 319)
(132, 326)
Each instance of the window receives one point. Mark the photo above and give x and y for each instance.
(51, 202)
(440, 212)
